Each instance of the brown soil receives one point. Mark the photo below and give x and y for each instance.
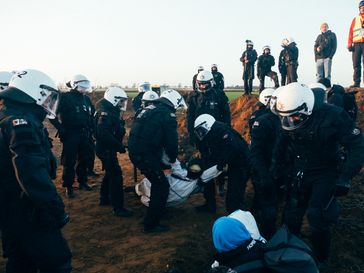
(103, 243)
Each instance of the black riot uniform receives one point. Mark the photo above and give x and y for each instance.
(264, 134)
(262, 110)
(264, 67)
(282, 67)
(110, 132)
(75, 113)
(320, 174)
(219, 79)
(137, 101)
(290, 55)
(154, 130)
(213, 102)
(224, 146)
(31, 211)
(248, 59)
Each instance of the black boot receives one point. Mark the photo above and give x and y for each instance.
(321, 245)
(123, 212)
(69, 192)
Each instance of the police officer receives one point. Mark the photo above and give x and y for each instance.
(264, 134)
(153, 132)
(264, 67)
(142, 88)
(221, 145)
(314, 133)
(194, 78)
(31, 211)
(148, 98)
(75, 114)
(206, 100)
(262, 106)
(248, 59)
(218, 77)
(282, 65)
(290, 56)
(110, 132)
(5, 77)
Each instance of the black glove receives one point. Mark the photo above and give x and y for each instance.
(351, 48)
(342, 187)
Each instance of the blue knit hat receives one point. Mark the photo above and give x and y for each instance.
(228, 234)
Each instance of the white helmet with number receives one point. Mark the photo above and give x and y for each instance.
(273, 99)
(117, 97)
(5, 77)
(174, 98)
(205, 81)
(144, 87)
(203, 125)
(265, 95)
(150, 96)
(294, 105)
(267, 47)
(80, 83)
(32, 86)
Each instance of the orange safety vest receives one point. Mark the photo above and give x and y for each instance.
(358, 30)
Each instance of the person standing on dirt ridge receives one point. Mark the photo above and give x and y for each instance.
(206, 100)
(110, 132)
(153, 133)
(325, 48)
(313, 134)
(142, 88)
(248, 59)
(218, 77)
(264, 67)
(290, 56)
(31, 210)
(356, 44)
(74, 124)
(194, 78)
(221, 145)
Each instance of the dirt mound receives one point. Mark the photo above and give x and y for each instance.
(102, 243)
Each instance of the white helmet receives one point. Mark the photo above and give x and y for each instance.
(80, 83)
(33, 86)
(317, 85)
(214, 66)
(266, 47)
(117, 97)
(294, 105)
(144, 87)
(287, 41)
(150, 96)
(174, 98)
(200, 68)
(5, 77)
(203, 124)
(265, 95)
(205, 81)
(273, 99)
(249, 43)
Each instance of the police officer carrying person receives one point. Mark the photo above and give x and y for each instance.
(264, 68)
(356, 44)
(313, 135)
(5, 77)
(206, 100)
(290, 55)
(221, 145)
(218, 77)
(74, 124)
(248, 59)
(142, 88)
(153, 133)
(194, 78)
(110, 132)
(264, 134)
(31, 211)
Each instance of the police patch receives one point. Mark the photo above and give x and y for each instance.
(356, 131)
(256, 123)
(19, 121)
(103, 114)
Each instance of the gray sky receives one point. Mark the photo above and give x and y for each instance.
(163, 41)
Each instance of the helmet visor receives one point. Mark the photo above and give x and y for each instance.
(201, 131)
(294, 121)
(204, 86)
(122, 104)
(144, 87)
(50, 103)
(83, 86)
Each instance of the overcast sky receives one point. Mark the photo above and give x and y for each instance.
(163, 41)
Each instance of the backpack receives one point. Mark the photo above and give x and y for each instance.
(284, 253)
(350, 105)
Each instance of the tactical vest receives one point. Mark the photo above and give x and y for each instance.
(358, 30)
(79, 114)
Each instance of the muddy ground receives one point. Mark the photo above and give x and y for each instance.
(103, 243)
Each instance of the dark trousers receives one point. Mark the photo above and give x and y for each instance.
(292, 73)
(75, 158)
(283, 79)
(112, 183)
(357, 61)
(237, 178)
(91, 156)
(29, 249)
(314, 195)
(248, 86)
(270, 74)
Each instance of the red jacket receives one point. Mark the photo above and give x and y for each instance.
(355, 33)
